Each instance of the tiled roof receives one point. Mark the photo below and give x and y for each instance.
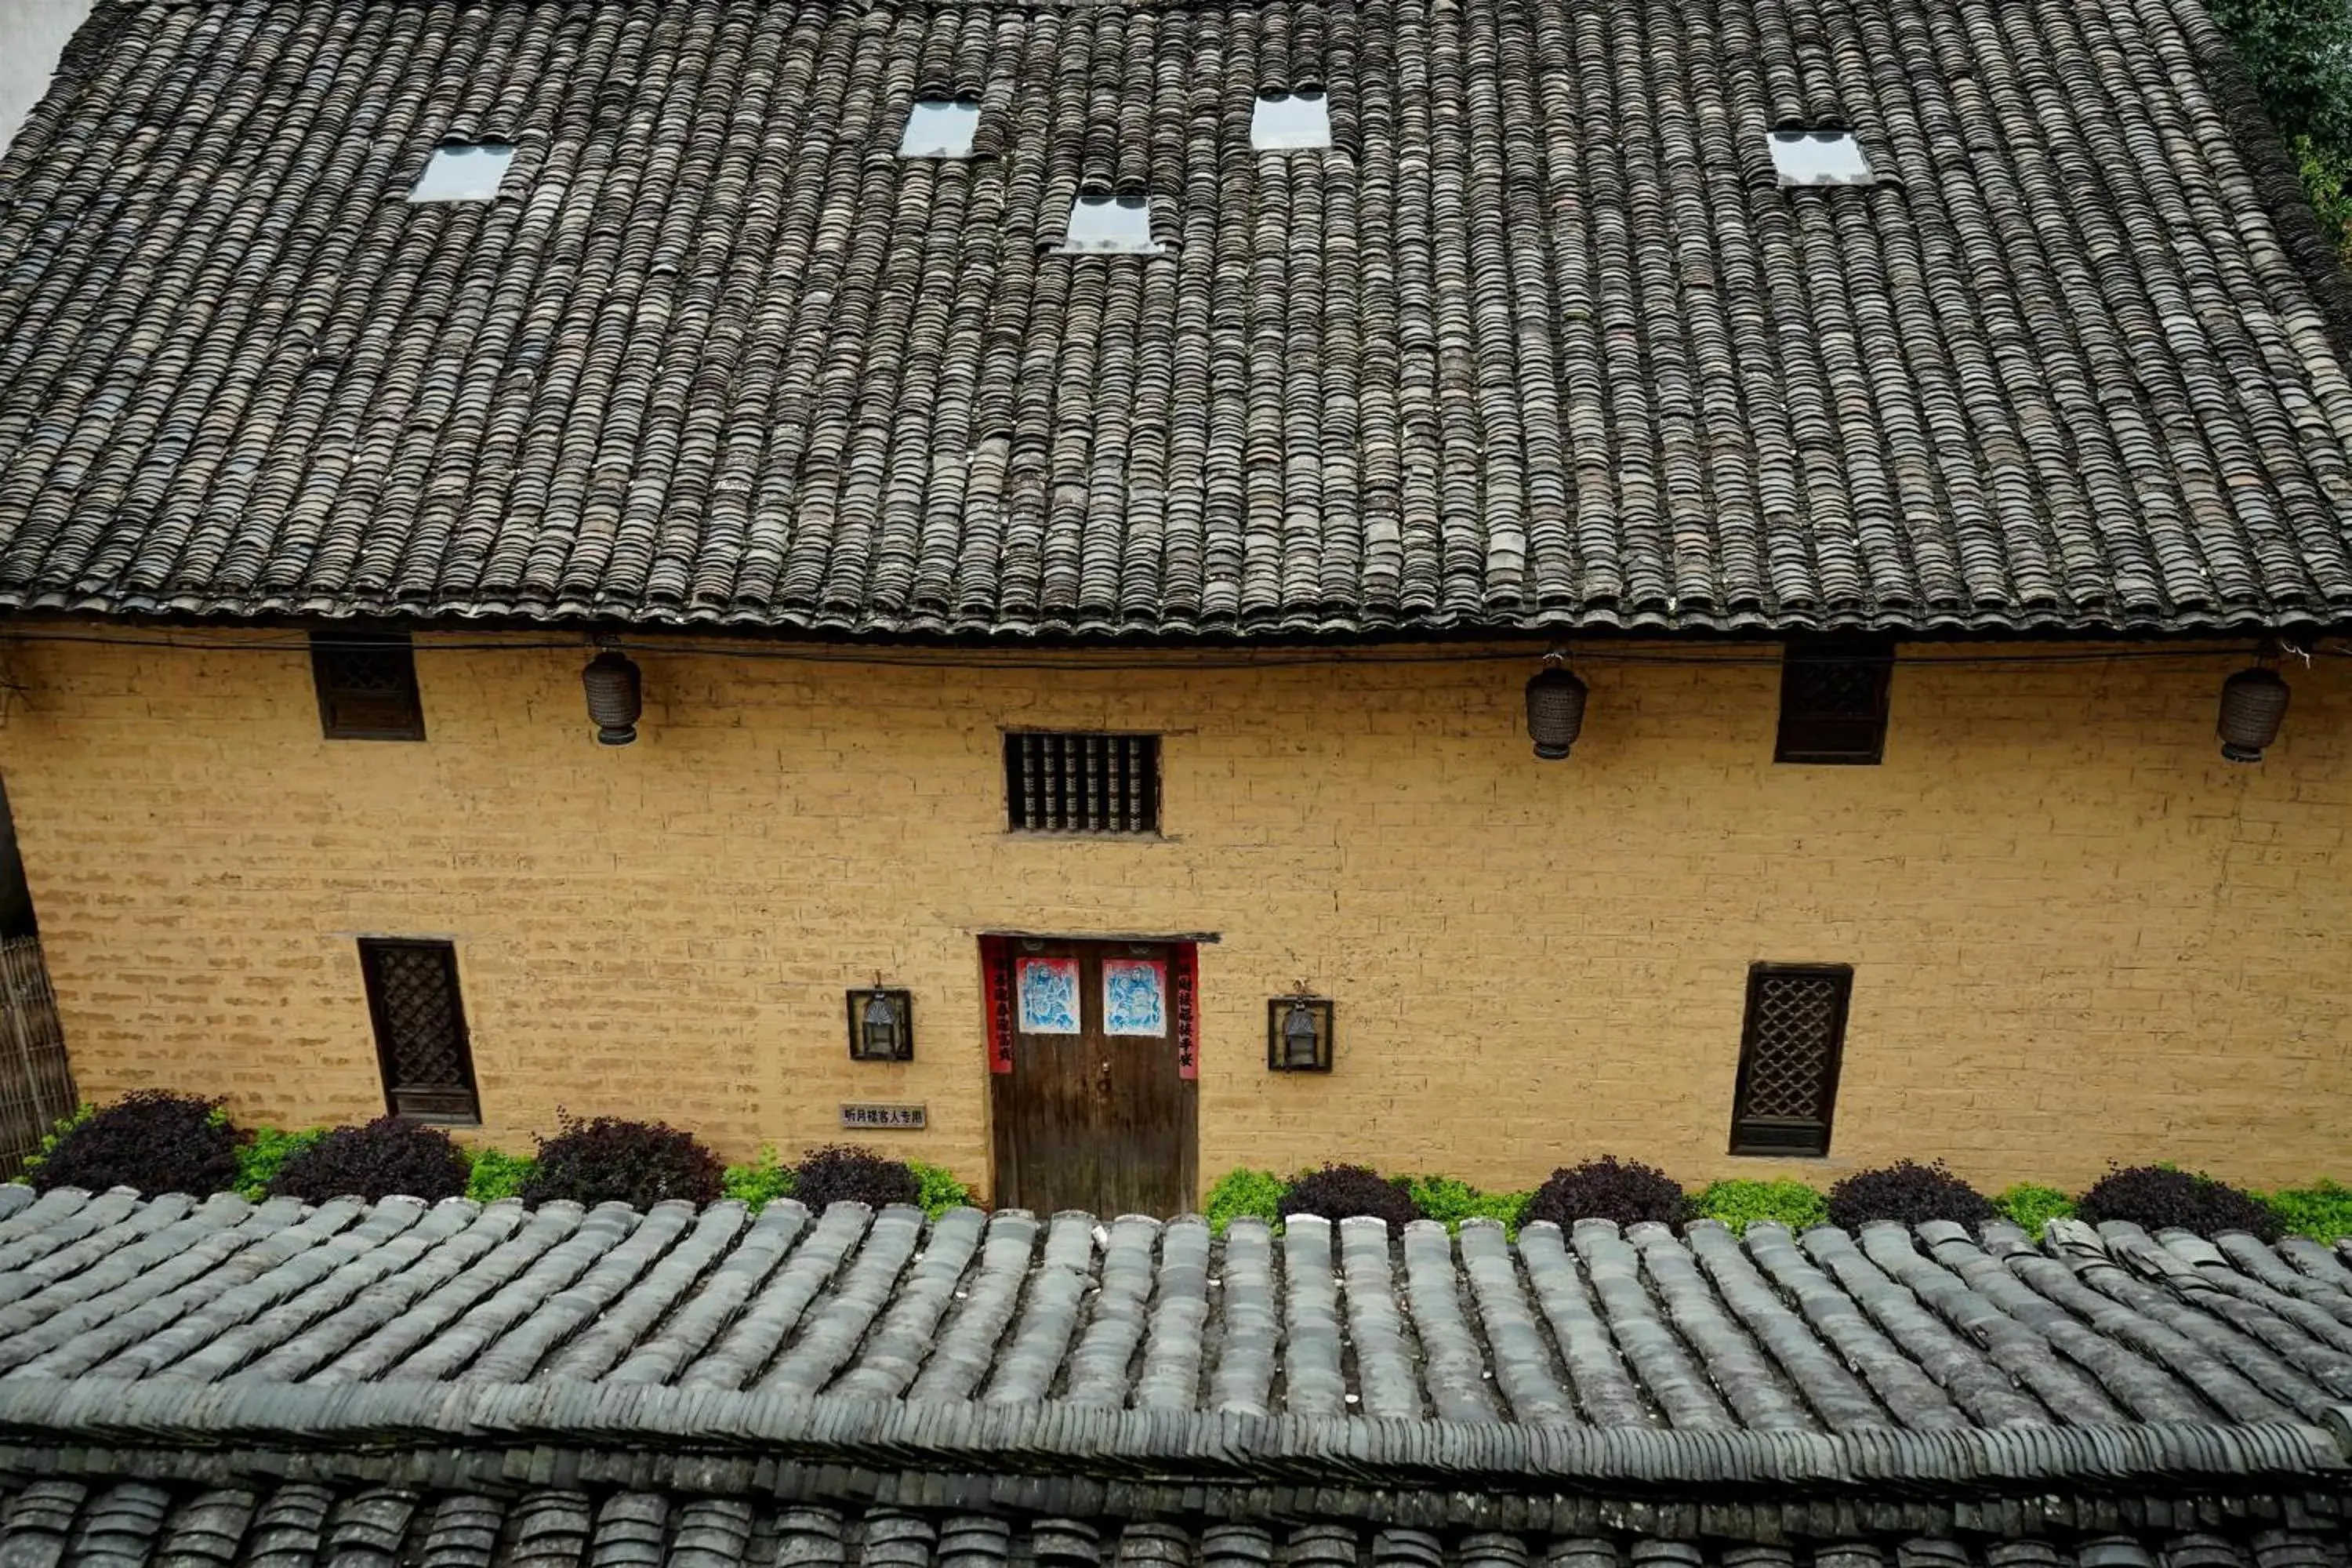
(1540, 343)
(212, 1383)
(1937, 1330)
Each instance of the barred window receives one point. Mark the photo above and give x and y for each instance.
(1065, 782)
(1833, 695)
(1789, 1054)
(367, 686)
(421, 1043)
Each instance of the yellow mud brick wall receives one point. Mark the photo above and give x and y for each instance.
(2078, 935)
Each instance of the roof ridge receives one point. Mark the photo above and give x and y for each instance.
(324, 1422)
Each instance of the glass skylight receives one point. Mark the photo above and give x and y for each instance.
(1118, 226)
(1287, 122)
(1818, 158)
(940, 128)
(464, 171)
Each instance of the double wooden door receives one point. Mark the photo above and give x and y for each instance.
(1094, 1095)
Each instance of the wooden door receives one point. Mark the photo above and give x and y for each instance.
(1091, 1049)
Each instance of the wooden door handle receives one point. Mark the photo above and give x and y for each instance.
(1102, 1078)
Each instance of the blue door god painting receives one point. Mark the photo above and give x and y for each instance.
(1049, 995)
(1135, 996)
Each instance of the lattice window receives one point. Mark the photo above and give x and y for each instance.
(1082, 783)
(421, 1043)
(1833, 700)
(367, 686)
(1788, 1057)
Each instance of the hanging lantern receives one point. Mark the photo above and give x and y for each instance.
(1555, 708)
(1299, 1033)
(2252, 703)
(881, 1025)
(615, 697)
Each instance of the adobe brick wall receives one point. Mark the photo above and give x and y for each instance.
(2078, 933)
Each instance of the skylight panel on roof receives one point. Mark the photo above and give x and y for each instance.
(1818, 158)
(1288, 122)
(1115, 226)
(463, 172)
(940, 128)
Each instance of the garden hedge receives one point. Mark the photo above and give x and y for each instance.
(157, 1142)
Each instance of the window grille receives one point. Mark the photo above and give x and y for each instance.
(1789, 1054)
(1082, 783)
(1833, 701)
(421, 1043)
(367, 686)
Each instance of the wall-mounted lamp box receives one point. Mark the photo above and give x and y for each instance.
(1298, 1033)
(881, 1025)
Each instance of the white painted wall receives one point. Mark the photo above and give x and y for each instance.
(32, 35)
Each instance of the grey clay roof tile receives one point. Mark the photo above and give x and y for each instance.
(1539, 341)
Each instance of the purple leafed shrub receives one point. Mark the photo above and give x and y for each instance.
(608, 1160)
(155, 1142)
(1906, 1191)
(1608, 1188)
(386, 1157)
(842, 1171)
(2156, 1198)
(1341, 1192)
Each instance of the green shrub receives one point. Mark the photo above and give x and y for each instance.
(498, 1175)
(264, 1153)
(2328, 181)
(1741, 1203)
(1443, 1197)
(940, 1190)
(50, 1139)
(2322, 1211)
(2029, 1206)
(1245, 1195)
(759, 1183)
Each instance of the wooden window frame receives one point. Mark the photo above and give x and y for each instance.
(380, 1021)
(348, 715)
(1015, 784)
(1841, 737)
(1796, 1139)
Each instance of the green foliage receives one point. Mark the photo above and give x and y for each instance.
(759, 1183)
(2298, 54)
(1443, 1197)
(50, 1139)
(2029, 1206)
(1255, 1195)
(941, 1191)
(2322, 1211)
(2328, 181)
(260, 1157)
(497, 1174)
(1741, 1203)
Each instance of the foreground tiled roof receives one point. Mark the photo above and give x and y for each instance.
(190, 1384)
(1936, 1331)
(1539, 343)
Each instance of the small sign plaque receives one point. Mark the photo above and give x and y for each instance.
(883, 1117)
